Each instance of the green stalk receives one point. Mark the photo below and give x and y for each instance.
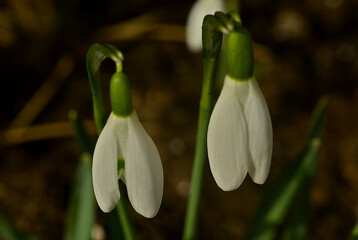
(95, 56)
(211, 51)
(127, 227)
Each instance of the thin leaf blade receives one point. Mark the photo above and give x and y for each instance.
(296, 177)
(81, 211)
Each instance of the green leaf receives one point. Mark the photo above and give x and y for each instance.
(317, 120)
(294, 181)
(354, 233)
(113, 225)
(9, 232)
(297, 224)
(297, 227)
(81, 211)
(83, 140)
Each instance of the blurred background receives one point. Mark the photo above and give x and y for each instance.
(303, 50)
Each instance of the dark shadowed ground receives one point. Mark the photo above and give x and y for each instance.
(303, 50)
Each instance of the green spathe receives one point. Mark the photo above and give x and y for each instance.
(211, 38)
(121, 97)
(240, 57)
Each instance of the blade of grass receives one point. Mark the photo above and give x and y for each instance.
(280, 196)
(9, 232)
(297, 227)
(317, 120)
(81, 211)
(83, 140)
(354, 233)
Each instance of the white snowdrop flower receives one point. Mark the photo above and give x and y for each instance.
(199, 10)
(239, 135)
(124, 139)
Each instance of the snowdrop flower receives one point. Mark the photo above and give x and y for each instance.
(124, 142)
(240, 132)
(195, 20)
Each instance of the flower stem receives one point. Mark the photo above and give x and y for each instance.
(96, 54)
(192, 211)
(211, 51)
(127, 226)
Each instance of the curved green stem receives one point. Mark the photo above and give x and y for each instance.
(211, 51)
(95, 56)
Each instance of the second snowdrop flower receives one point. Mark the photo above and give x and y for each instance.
(195, 20)
(125, 151)
(240, 131)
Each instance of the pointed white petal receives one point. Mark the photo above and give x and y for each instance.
(195, 20)
(104, 169)
(227, 141)
(259, 132)
(143, 170)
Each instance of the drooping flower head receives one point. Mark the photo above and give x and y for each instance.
(195, 20)
(240, 131)
(125, 151)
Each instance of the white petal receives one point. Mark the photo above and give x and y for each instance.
(227, 141)
(104, 169)
(195, 20)
(259, 132)
(241, 89)
(143, 170)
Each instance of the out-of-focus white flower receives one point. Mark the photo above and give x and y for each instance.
(239, 135)
(199, 10)
(125, 138)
